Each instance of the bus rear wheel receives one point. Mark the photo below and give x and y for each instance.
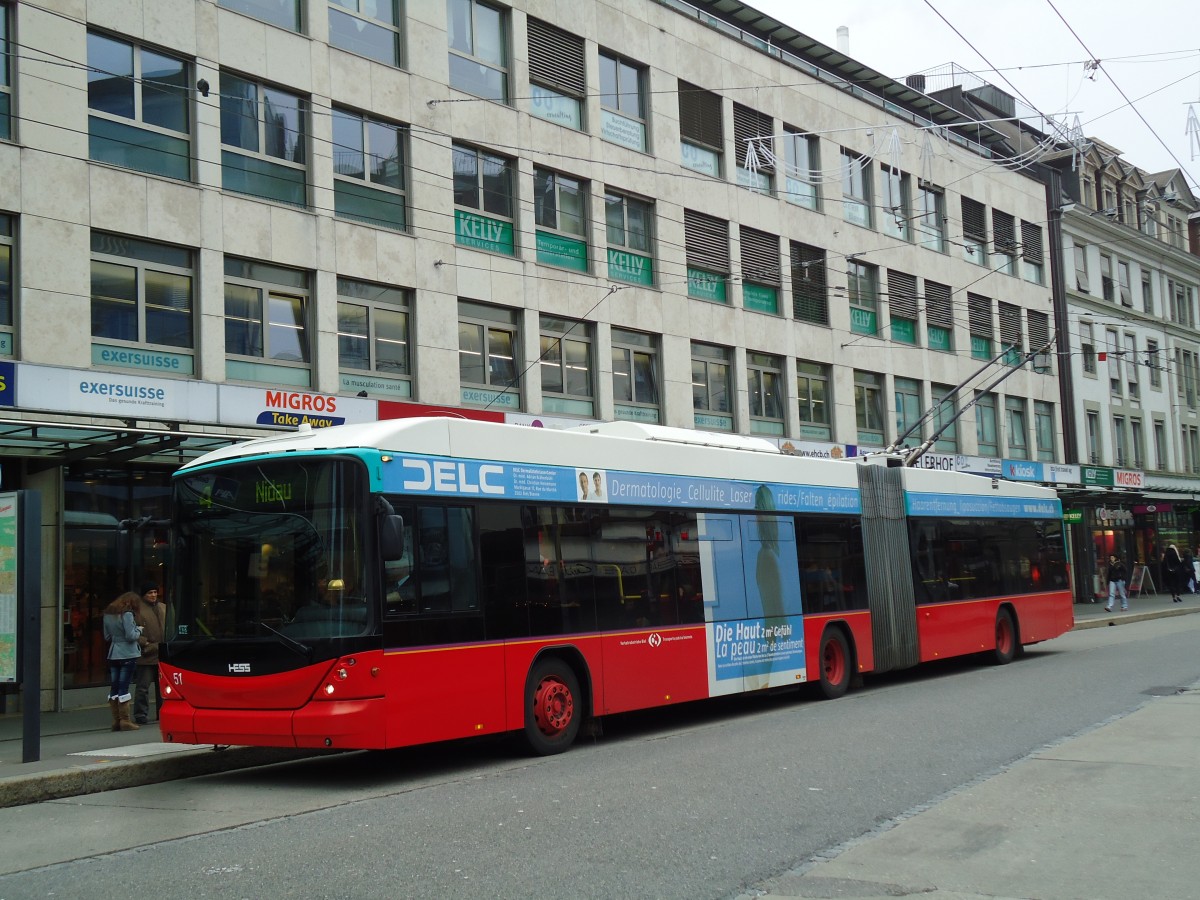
(835, 664)
(1006, 638)
(552, 707)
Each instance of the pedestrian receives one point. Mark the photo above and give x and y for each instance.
(1116, 583)
(1172, 567)
(151, 616)
(122, 633)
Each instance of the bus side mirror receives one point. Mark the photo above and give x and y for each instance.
(391, 537)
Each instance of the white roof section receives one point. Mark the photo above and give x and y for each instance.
(622, 446)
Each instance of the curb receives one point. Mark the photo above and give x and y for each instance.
(110, 775)
(1126, 618)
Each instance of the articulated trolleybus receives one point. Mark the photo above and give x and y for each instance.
(401, 582)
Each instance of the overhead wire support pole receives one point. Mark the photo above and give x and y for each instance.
(895, 445)
(916, 454)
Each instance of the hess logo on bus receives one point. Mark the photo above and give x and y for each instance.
(239, 668)
(453, 478)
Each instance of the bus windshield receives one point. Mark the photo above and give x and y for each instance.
(271, 549)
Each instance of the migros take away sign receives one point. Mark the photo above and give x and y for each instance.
(284, 408)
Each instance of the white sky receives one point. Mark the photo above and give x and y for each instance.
(1143, 46)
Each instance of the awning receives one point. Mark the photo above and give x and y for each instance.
(49, 444)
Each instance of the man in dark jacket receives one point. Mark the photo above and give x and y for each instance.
(152, 616)
(1116, 583)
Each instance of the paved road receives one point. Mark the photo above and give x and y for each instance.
(707, 801)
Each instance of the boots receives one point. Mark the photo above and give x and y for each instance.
(125, 724)
(114, 705)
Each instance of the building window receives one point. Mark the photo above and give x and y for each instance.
(931, 217)
(483, 200)
(939, 317)
(868, 408)
(1147, 295)
(902, 305)
(895, 198)
(706, 246)
(863, 291)
(1160, 446)
(1120, 442)
(1039, 341)
(559, 210)
(856, 189)
(810, 289)
(1113, 356)
(5, 78)
(712, 387)
(266, 323)
(370, 28)
(1124, 284)
(1032, 253)
(1011, 338)
(627, 226)
(373, 338)
(138, 111)
(907, 393)
(802, 176)
(284, 13)
(369, 170)
(702, 136)
(478, 49)
(974, 218)
(6, 279)
(566, 364)
(1136, 448)
(979, 320)
(557, 82)
(1131, 367)
(142, 295)
(1043, 429)
(1016, 425)
(985, 425)
(635, 376)
(1004, 242)
(487, 360)
(622, 102)
(1185, 362)
(263, 133)
(1081, 271)
(1107, 290)
(754, 149)
(1093, 438)
(945, 421)
(764, 384)
(1087, 347)
(812, 396)
(1153, 364)
(761, 276)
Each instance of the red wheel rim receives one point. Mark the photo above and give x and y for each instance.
(833, 662)
(1004, 635)
(553, 706)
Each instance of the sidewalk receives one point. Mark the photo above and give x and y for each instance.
(80, 755)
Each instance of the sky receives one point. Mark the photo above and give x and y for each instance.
(1148, 49)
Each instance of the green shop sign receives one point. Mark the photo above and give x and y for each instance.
(482, 233)
(141, 358)
(706, 285)
(1095, 476)
(556, 250)
(760, 298)
(862, 320)
(904, 331)
(938, 338)
(1072, 516)
(626, 266)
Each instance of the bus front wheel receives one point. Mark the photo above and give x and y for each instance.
(552, 707)
(1006, 638)
(835, 664)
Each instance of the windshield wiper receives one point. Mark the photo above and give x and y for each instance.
(290, 642)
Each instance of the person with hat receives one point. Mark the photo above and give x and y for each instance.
(152, 616)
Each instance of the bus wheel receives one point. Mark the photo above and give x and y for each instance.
(1006, 638)
(552, 711)
(835, 664)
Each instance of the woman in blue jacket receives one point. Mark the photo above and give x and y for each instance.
(122, 633)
